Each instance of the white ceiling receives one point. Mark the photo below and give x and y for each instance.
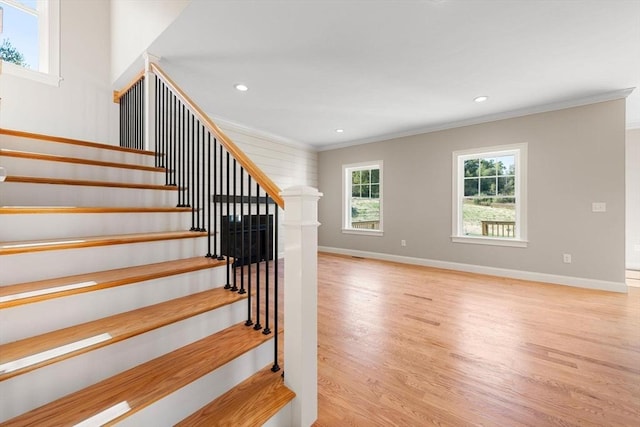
(379, 69)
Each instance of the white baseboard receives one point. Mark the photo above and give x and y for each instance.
(578, 282)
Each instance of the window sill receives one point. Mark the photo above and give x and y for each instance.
(25, 73)
(377, 233)
(492, 241)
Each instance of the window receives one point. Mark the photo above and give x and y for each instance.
(31, 33)
(489, 196)
(362, 195)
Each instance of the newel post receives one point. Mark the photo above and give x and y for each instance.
(149, 102)
(301, 301)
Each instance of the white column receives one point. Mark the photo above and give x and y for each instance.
(149, 102)
(301, 301)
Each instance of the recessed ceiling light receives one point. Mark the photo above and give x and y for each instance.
(241, 87)
(481, 98)
(339, 130)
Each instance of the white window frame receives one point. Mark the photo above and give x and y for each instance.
(459, 157)
(48, 12)
(346, 197)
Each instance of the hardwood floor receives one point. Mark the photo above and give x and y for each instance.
(402, 345)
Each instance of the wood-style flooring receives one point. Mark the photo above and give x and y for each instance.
(402, 345)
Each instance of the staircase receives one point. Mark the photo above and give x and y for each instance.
(109, 311)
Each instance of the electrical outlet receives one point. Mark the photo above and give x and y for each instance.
(566, 258)
(403, 243)
(598, 207)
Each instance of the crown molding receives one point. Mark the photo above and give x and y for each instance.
(543, 108)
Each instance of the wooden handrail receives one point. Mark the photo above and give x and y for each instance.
(117, 94)
(256, 173)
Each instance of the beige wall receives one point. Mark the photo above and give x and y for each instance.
(633, 199)
(576, 157)
(82, 106)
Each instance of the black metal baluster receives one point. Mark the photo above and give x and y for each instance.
(258, 326)
(188, 154)
(221, 185)
(157, 120)
(249, 322)
(197, 177)
(123, 121)
(214, 204)
(134, 115)
(142, 103)
(174, 138)
(179, 153)
(120, 123)
(207, 195)
(227, 196)
(169, 137)
(126, 119)
(276, 280)
(203, 182)
(134, 119)
(195, 181)
(268, 247)
(242, 234)
(131, 111)
(165, 153)
(185, 158)
(234, 288)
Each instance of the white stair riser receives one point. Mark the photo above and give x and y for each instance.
(33, 389)
(283, 418)
(179, 405)
(16, 166)
(15, 227)
(27, 194)
(38, 318)
(73, 150)
(27, 267)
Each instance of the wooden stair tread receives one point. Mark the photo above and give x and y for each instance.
(16, 247)
(72, 141)
(251, 403)
(144, 384)
(87, 209)
(87, 183)
(119, 326)
(22, 293)
(77, 160)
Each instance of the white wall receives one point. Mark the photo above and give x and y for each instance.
(633, 199)
(286, 163)
(135, 24)
(82, 106)
(576, 157)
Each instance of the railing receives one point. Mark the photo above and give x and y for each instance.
(367, 225)
(131, 100)
(230, 197)
(499, 228)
